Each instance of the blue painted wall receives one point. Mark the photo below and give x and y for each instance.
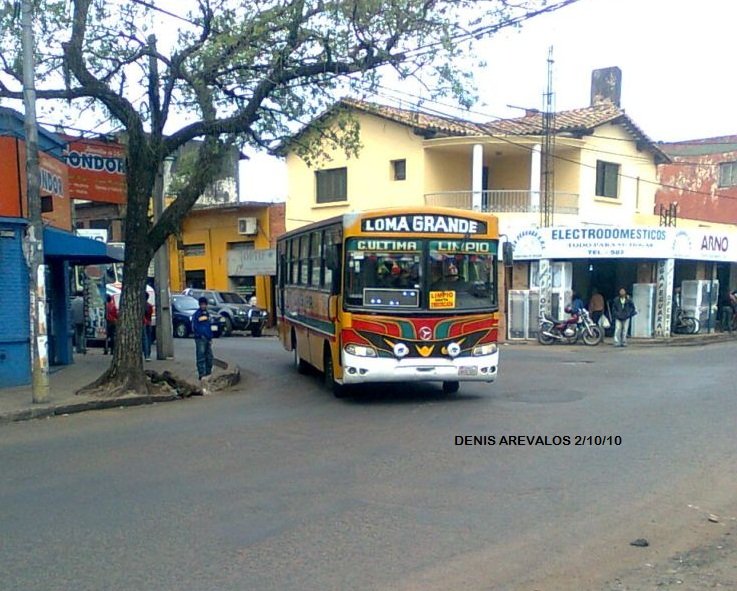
(15, 362)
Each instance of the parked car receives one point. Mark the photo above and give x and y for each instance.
(182, 309)
(238, 314)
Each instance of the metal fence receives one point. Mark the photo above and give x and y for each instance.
(512, 201)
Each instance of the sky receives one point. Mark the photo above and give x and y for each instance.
(676, 57)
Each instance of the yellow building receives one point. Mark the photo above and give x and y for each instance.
(600, 182)
(228, 247)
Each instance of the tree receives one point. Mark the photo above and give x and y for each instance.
(247, 71)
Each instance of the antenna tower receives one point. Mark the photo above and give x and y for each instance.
(548, 147)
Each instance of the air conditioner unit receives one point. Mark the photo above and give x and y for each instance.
(247, 225)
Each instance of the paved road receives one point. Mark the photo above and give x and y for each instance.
(283, 487)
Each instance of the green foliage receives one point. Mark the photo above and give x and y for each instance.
(255, 70)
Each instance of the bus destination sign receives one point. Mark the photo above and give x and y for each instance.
(423, 223)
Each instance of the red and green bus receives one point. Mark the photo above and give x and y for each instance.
(394, 295)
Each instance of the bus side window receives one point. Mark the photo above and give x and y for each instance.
(304, 259)
(293, 269)
(332, 259)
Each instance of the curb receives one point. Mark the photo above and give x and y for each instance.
(680, 341)
(77, 407)
(225, 380)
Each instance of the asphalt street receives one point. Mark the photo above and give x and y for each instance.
(279, 486)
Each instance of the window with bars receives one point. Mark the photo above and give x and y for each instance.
(194, 250)
(331, 185)
(607, 179)
(399, 170)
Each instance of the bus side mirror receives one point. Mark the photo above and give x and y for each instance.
(508, 254)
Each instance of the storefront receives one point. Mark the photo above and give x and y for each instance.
(551, 264)
(61, 250)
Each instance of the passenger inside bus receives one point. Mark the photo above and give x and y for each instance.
(445, 275)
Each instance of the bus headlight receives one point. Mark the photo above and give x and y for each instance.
(401, 350)
(360, 350)
(487, 349)
(454, 349)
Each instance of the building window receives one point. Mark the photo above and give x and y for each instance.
(195, 279)
(728, 174)
(399, 170)
(607, 179)
(100, 225)
(194, 250)
(332, 185)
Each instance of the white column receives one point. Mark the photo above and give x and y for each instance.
(545, 281)
(535, 177)
(664, 297)
(477, 176)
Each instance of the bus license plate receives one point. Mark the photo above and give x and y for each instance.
(468, 370)
(214, 328)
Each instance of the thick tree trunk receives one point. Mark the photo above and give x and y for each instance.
(126, 374)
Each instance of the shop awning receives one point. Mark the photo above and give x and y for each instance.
(65, 246)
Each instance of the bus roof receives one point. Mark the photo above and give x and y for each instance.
(350, 219)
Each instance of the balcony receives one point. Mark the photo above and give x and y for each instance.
(517, 201)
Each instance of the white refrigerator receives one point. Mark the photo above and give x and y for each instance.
(643, 296)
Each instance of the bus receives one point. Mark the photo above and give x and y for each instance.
(393, 295)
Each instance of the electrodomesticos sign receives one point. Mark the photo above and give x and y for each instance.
(625, 242)
(423, 223)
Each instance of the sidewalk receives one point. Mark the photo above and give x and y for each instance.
(16, 403)
(680, 340)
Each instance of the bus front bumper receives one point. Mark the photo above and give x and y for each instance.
(361, 370)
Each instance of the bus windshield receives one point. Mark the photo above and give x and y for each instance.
(421, 274)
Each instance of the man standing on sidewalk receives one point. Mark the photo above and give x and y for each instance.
(623, 308)
(202, 340)
(148, 313)
(80, 338)
(111, 322)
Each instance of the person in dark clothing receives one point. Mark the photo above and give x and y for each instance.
(623, 308)
(576, 303)
(148, 314)
(596, 305)
(111, 323)
(202, 339)
(80, 338)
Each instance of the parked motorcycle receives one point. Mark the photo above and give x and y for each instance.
(552, 331)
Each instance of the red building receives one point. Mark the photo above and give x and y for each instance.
(701, 180)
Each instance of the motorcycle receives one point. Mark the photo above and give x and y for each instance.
(551, 330)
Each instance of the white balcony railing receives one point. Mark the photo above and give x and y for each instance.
(513, 201)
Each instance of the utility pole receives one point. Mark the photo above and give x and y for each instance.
(164, 337)
(34, 233)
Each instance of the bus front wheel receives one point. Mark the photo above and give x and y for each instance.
(338, 390)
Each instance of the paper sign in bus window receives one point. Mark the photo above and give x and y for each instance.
(442, 300)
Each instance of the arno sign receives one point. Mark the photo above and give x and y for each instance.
(583, 242)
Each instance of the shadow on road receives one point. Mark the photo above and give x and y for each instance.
(389, 393)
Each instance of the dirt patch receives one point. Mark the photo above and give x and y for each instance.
(711, 565)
